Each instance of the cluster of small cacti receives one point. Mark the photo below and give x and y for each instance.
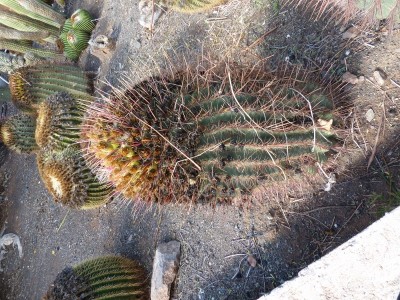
(55, 97)
(75, 33)
(108, 277)
(221, 139)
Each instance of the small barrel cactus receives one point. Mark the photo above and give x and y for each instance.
(69, 181)
(33, 84)
(75, 34)
(211, 136)
(18, 133)
(58, 121)
(82, 20)
(109, 277)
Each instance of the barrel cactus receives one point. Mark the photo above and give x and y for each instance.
(18, 133)
(33, 84)
(75, 34)
(109, 277)
(69, 181)
(58, 121)
(211, 136)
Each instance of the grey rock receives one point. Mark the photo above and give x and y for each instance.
(165, 268)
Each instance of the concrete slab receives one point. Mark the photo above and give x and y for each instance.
(365, 267)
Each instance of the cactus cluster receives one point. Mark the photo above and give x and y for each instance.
(75, 33)
(56, 97)
(109, 277)
(210, 136)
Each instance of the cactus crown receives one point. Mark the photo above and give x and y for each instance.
(69, 180)
(17, 133)
(108, 277)
(211, 135)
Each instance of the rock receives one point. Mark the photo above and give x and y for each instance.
(361, 79)
(102, 47)
(380, 77)
(149, 13)
(370, 115)
(165, 268)
(350, 78)
(350, 33)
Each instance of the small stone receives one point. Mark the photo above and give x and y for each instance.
(165, 268)
(252, 261)
(149, 13)
(350, 33)
(361, 79)
(370, 115)
(350, 78)
(380, 77)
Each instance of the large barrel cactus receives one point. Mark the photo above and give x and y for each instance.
(210, 135)
(31, 85)
(109, 277)
(18, 133)
(69, 180)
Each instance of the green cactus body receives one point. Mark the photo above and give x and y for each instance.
(58, 122)
(21, 47)
(228, 138)
(45, 17)
(67, 26)
(82, 20)
(10, 33)
(31, 85)
(40, 8)
(109, 277)
(18, 133)
(192, 6)
(24, 23)
(77, 39)
(69, 181)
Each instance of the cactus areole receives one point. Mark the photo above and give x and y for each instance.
(194, 135)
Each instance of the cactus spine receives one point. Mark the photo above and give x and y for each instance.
(108, 277)
(18, 133)
(69, 181)
(31, 85)
(240, 136)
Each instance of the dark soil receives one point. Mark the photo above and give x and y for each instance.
(218, 243)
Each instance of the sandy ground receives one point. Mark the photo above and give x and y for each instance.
(216, 242)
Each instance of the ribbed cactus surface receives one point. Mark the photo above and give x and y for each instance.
(167, 136)
(109, 277)
(69, 180)
(31, 85)
(18, 133)
(58, 121)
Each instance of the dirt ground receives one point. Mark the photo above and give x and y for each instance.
(286, 234)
